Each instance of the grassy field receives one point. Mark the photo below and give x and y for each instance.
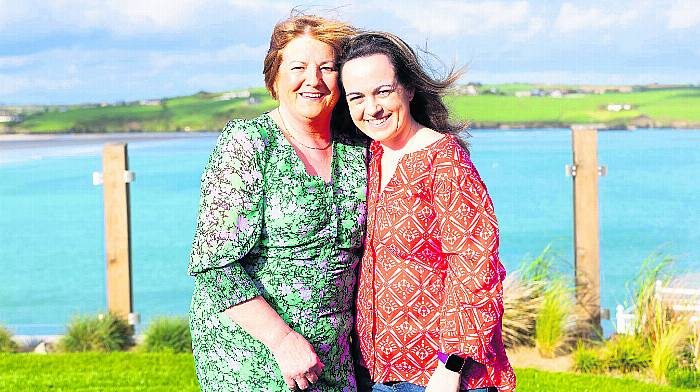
(664, 106)
(174, 372)
(679, 107)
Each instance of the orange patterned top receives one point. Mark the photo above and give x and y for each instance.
(430, 278)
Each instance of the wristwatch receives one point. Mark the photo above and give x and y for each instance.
(453, 362)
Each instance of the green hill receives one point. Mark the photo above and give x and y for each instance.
(494, 106)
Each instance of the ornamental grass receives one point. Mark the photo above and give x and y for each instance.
(7, 345)
(102, 332)
(168, 334)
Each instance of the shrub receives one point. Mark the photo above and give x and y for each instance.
(627, 353)
(522, 300)
(7, 345)
(684, 378)
(694, 346)
(587, 360)
(104, 332)
(668, 344)
(541, 268)
(645, 302)
(170, 334)
(553, 320)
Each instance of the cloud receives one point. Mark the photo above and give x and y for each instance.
(447, 17)
(131, 17)
(684, 14)
(121, 17)
(224, 81)
(227, 55)
(534, 26)
(259, 6)
(13, 84)
(84, 75)
(10, 62)
(576, 77)
(572, 18)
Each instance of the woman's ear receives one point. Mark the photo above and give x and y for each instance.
(410, 93)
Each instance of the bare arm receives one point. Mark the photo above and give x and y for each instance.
(297, 360)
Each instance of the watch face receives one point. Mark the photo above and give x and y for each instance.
(454, 363)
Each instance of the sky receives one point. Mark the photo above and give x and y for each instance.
(80, 51)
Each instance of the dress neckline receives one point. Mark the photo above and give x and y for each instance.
(377, 152)
(278, 134)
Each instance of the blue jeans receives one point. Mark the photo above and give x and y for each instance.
(408, 387)
(399, 387)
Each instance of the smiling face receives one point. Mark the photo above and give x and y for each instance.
(379, 104)
(307, 81)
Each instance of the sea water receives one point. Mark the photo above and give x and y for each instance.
(51, 216)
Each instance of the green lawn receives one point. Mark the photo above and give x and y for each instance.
(202, 111)
(175, 372)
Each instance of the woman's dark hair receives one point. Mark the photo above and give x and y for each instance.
(426, 106)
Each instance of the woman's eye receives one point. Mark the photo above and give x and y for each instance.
(384, 93)
(297, 68)
(327, 69)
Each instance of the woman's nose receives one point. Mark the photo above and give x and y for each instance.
(313, 76)
(372, 107)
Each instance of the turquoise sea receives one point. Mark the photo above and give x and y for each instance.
(51, 217)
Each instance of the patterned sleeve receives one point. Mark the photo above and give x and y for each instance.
(473, 303)
(230, 215)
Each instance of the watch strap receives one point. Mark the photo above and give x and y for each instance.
(452, 362)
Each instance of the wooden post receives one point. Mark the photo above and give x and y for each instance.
(586, 234)
(116, 180)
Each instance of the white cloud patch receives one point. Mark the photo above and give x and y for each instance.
(238, 52)
(258, 6)
(221, 82)
(572, 18)
(572, 77)
(684, 14)
(96, 75)
(13, 84)
(119, 17)
(447, 17)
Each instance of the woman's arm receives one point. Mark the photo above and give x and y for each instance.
(468, 232)
(228, 227)
(443, 380)
(296, 358)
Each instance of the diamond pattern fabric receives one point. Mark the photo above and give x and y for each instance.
(430, 278)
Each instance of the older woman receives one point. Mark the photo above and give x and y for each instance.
(429, 306)
(280, 230)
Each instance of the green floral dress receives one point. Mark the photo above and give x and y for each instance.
(268, 228)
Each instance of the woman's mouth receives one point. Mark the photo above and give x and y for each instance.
(311, 95)
(377, 122)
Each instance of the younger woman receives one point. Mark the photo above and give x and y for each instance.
(430, 304)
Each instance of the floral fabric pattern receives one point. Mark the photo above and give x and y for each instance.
(430, 278)
(266, 227)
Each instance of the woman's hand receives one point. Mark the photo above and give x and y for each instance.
(443, 380)
(295, 357)
(297, 361)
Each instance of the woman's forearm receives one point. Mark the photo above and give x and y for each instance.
(258, 318)
(296, 358)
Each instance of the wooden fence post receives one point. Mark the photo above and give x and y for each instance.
(585, 172)
(116, 178)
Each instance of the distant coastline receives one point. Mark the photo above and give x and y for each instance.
(503, 106)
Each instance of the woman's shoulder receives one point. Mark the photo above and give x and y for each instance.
(254, 133)
(449, 150)
(450, 158)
